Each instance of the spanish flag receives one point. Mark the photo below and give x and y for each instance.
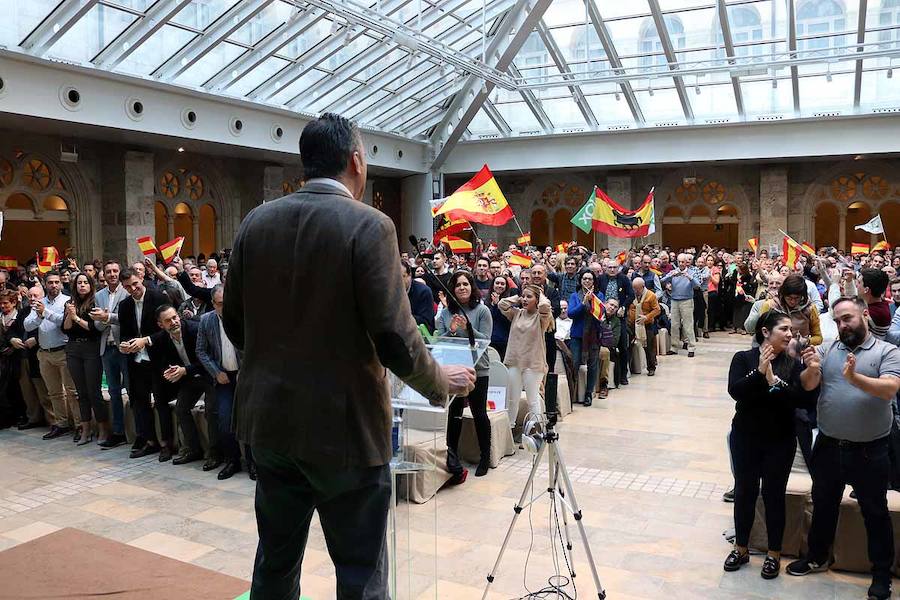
(856, 248)
(148, 248)
(447, 226)
(596, 307)
(561, 248)
(8, 262)
(519, 258)
(49, 258)
(479, 201)
(621, 257)
(808, 249)
(882, 245)
(524, 239)
(791, 251)
(171, 249)
(753, 243)
(656, 272)
(457, 245)
(612, 219)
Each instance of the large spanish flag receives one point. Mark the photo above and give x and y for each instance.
(457, 245)
(856, 248)
(882, 245)
(479, 201)
(171, 248)
(612, 219)
(447, 226)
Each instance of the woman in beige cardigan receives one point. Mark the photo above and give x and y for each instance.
(529, 316)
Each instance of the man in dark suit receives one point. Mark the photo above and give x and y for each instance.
(420, 299)
(137, 323)
(183, 379)
(312, 399)
(615, 285)
(223, 362)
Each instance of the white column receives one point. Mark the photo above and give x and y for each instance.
(773, 206)
(416, 192)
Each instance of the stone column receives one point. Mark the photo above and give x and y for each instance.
(127, 204)
(195, 228)
(773, 205)
(217, 227)
(842, 229)
(273, 177)
(618, 187)
(415, 211)
(170, 228)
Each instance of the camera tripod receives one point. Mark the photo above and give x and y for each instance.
(559, 485)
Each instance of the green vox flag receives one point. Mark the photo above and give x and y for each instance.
(583, 218)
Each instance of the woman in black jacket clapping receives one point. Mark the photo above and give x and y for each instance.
(765, 384)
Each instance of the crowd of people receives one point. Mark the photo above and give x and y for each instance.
(155, 334)
(822, 360)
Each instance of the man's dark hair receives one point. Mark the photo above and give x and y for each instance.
(127, 273)
(876, 280)
(326, 144)
(409, 270)
(53, 273)
(111, 261)
(859, 302)
(441, 252)
(161, 309)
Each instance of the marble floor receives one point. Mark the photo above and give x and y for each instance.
(648, 467)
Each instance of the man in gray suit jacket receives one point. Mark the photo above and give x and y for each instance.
(312, 398)
(115, 364)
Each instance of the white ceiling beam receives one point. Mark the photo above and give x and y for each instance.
(351, 69)
(325, 49)
(792, 46)
(398, 121)
(277, 39)
(137, 33)
(429, 119)
(561, 64)
(533, 104)
(55, 25)
(860, 39)
(506, 42)
(230, 22)
(725, 24)
(496, 118)
(612, 55)
(669, 51)
(424, 68)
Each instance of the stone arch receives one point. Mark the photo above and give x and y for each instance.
(871, 181)
(199, 182)
(715, 187)
(21, 175)
(532, 201)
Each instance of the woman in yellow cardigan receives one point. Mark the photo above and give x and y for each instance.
(793, 300)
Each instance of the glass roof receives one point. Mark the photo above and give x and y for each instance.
(398, 65)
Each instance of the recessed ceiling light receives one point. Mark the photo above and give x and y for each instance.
(181, 148)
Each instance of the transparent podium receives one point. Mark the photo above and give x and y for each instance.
(418, 470)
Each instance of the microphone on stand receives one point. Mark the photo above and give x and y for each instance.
(470, 332)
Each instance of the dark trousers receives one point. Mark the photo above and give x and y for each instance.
(115, 365)
(187, 392)
(581, 354)
(866, 467)
(12, 404)
(550, 350)
(477, 401)
(141, 380)
(353, 506)
(224, 393)
(699, 312)
(714, 310)
(86, 368)
(755, 458)
(623, 364)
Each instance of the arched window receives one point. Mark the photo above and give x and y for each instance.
(827, 225)
(673, 211)
(19, 202)
(184, 226)
(562, 226)
(727, 210)
(55, 203)
(207, 229)
(161, 222)
(540, 228)
(746, 28)
(651, 44)
(820, 17)
(857, 214)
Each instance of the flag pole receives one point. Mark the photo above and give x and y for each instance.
(516, 219)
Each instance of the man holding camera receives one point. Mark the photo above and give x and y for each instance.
(47, 317)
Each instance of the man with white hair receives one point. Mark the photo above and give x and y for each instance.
(684, 281)
(212, 277)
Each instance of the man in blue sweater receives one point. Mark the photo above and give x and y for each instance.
(684, 281)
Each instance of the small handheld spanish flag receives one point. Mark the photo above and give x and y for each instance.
(882, 245)
(170, 249)
(753, 243)
(808, 248)
(656, 271)
(148, 248)
(561, 248)
(49, 257)
(621, 256)
(457, 245)
(524, 239)
(856, 249)
(596, 307)
(8, 262)
(519, 258)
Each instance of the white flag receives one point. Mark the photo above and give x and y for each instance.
(1, 225)
(873, 226)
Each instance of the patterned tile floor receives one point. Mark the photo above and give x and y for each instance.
(648, 468)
